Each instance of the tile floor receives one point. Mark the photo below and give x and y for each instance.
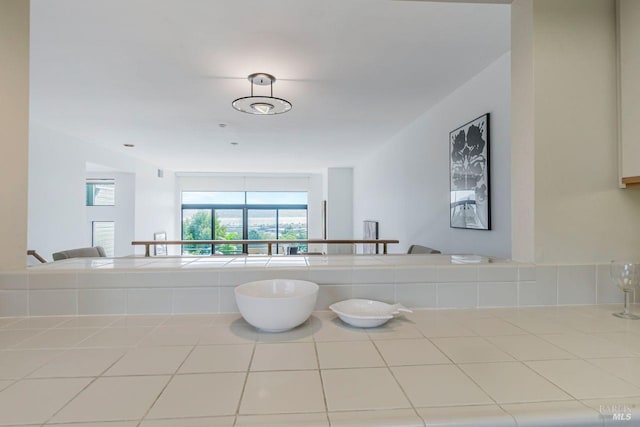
(479, 367)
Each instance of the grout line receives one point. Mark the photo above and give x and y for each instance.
(404, 393)
(166, 385)
(244, 384)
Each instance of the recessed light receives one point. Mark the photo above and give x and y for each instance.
(129, 145)
(234, 143)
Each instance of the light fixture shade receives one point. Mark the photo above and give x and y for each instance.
(261, 105)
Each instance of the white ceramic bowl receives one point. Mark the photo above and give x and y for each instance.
(364, 313)
(276, 305)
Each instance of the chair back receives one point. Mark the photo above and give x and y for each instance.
(94, 252)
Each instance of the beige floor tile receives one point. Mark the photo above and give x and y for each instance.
(529, 347)
(335, 330)
(89, 322)
(218, 358)
(10, 338)
(173, 335)
(150, 361)
(628, 340)
(463, 314)
(58, 338)
(587, 346)
(105, 424)
(439, 385)
(493, 327)
(570, 413)
(358, 354)
(151, 320)
(360, 389)
(282, 392)
(199, 395)
(79, 363)
(513, 382)
(395, 329)
(38, 322)
(443, 327)
(541, 325)
(470, 349)
(595, 324)
(238, 332)
(35, 401)
(15, 364)
(583, 380)
(410, 352)
(6, 322)
(112, 399)
(303, 333)
(116, 337)
(284, 356)
(228, 319)
(284, 420)
(383, 418)
(190, 319)
(627, 368)
(190, 422)
(467, 416)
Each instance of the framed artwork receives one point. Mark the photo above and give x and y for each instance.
(469, 203)
(370, 232)
(160, 250)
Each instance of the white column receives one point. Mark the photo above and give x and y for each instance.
(14, 132)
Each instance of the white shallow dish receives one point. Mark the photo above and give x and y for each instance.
(365, 313)
(276, 305)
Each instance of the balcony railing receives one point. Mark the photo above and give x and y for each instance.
(149, 243)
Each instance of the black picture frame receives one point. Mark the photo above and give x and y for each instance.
(469, 175)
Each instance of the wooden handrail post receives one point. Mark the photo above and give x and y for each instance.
(147, 250)
(384, 248)
(269, 251)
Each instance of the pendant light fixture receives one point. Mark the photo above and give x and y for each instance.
(261, 105)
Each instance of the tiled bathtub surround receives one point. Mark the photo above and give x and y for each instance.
(497, 367)
(205, 285)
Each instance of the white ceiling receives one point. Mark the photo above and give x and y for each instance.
(161, 74)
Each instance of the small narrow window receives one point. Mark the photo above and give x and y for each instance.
(103, 233)
(101, 192)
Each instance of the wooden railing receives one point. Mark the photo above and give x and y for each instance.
(148, 243)
(36, 255)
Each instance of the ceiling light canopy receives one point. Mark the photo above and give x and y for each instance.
(261, 105)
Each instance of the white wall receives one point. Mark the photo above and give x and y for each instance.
(570, 62)
(405, 184)
(57, 211)
(122, 212)
(339, 208)
(14, 132)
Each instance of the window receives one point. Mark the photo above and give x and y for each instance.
(101, 192)
(254, 215)
(103, 233)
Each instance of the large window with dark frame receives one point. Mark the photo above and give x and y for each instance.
(243, 215)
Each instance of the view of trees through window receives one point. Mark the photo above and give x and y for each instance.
(263, 220)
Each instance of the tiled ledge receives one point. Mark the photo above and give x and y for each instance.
(503, 367)
(205, 285)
